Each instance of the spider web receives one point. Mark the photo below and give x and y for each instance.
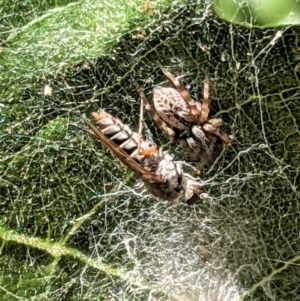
(76, 225)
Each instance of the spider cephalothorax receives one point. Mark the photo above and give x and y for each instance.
(180, 116)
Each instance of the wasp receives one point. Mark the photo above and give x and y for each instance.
(182, 118)
(161, 175)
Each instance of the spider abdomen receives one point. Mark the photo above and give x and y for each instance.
(172, 108)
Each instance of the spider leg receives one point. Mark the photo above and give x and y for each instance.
(225, 138)
(213, 125)
(205, 104)
(200, 135)
(192, 189)
(156, 118)
(183, 92)
(189, 166)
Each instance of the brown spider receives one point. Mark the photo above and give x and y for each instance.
(180, 116)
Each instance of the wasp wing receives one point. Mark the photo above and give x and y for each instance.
(122, 155)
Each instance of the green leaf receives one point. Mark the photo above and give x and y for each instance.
(258, 13)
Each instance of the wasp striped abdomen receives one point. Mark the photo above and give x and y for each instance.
(122, 135)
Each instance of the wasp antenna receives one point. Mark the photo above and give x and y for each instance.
(82, 129)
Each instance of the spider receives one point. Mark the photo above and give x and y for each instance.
(181, 117)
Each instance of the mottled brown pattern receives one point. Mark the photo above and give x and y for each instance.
(176, 112)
